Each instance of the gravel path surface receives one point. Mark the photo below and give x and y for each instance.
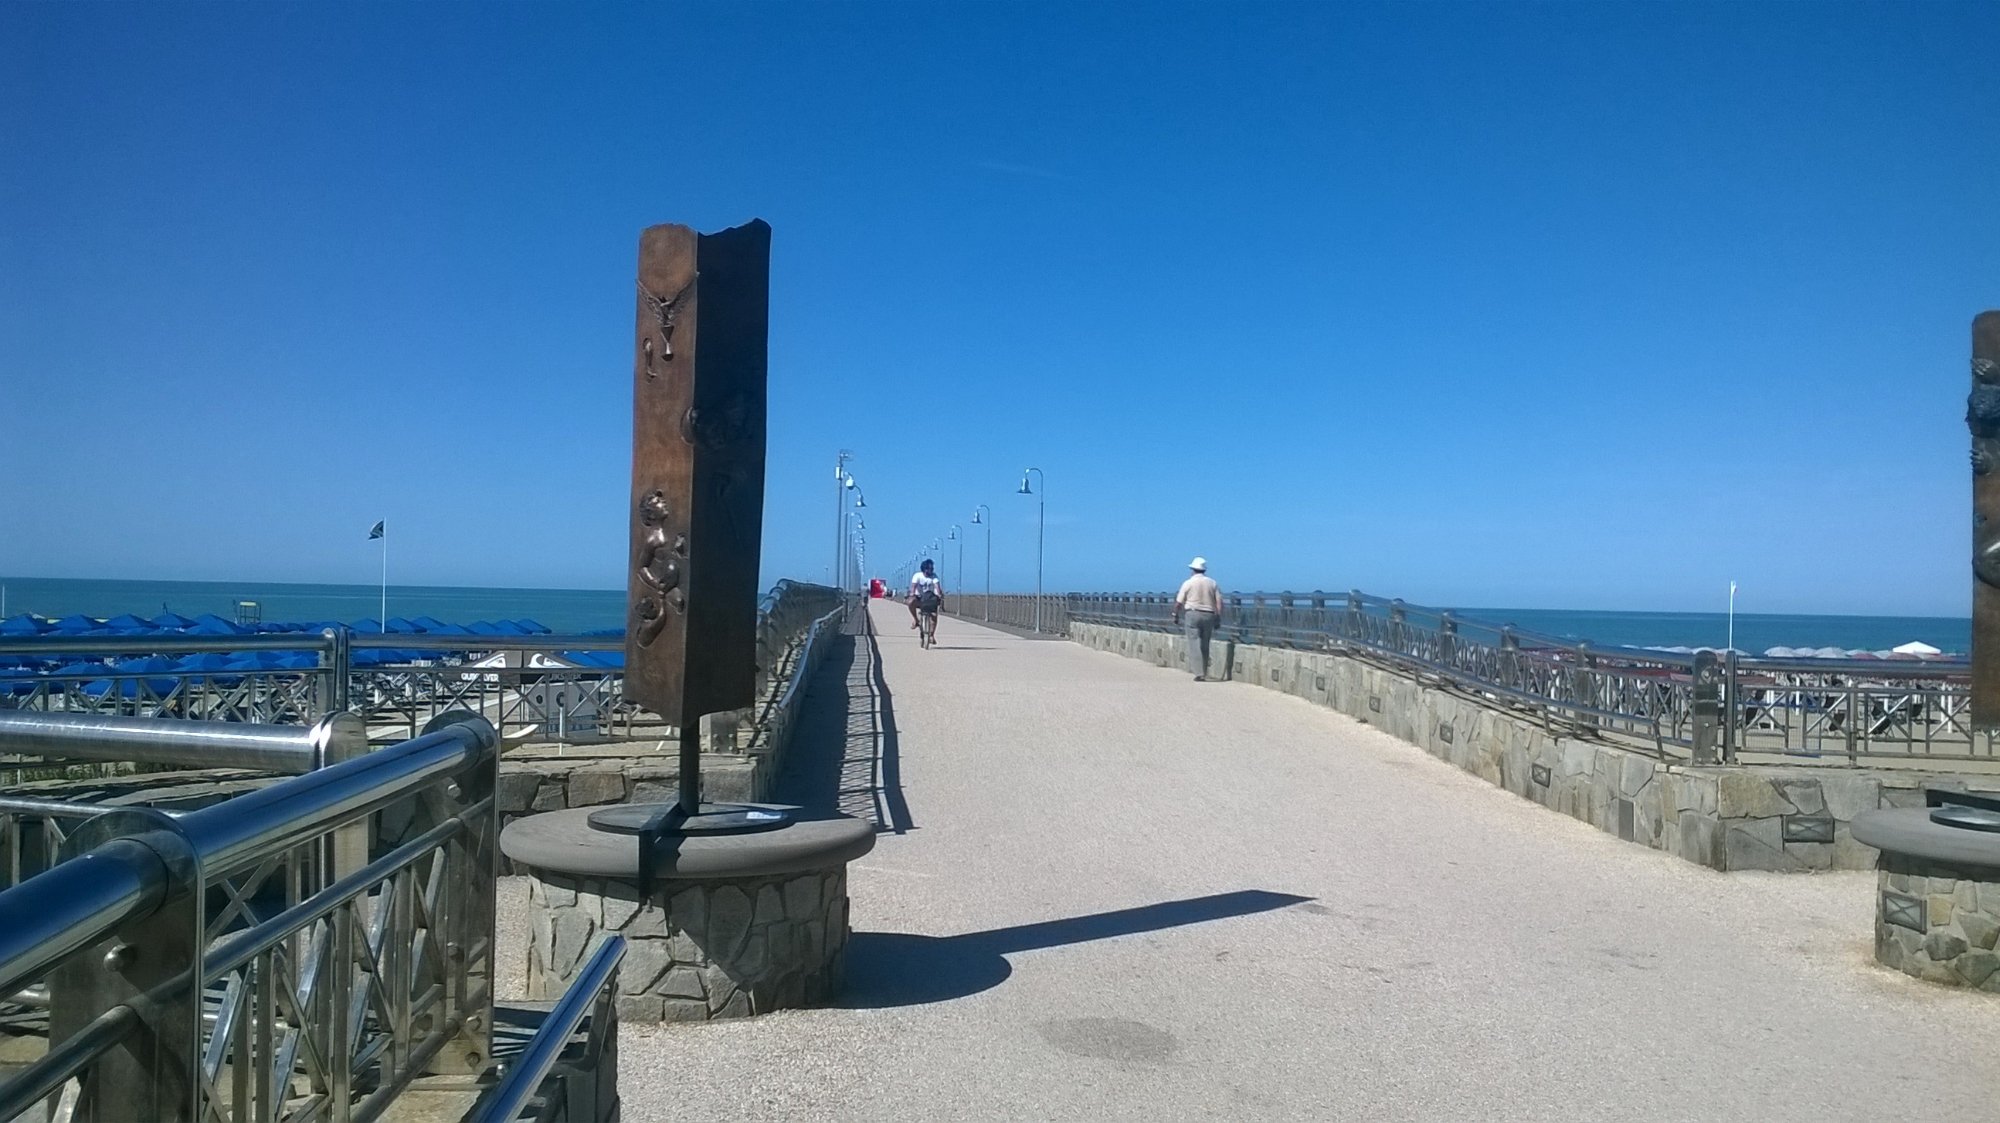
(1122, 894)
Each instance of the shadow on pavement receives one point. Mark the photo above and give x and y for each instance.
(844, 754)
(900, 969)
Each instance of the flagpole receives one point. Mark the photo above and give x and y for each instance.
(384, 621)
(1732, 616)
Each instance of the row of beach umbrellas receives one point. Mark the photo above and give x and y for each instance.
(209, 624)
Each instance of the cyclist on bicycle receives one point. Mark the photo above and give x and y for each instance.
(926, 594)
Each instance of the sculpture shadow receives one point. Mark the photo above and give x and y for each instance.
(845, 755)
(888, 969)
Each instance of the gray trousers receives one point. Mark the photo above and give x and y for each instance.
(1200, 624)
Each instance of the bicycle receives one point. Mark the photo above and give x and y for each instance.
(927, 627)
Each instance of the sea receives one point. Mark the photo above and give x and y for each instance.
(581, 610)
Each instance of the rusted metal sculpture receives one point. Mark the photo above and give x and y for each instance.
(697, 509)
(1982, 416)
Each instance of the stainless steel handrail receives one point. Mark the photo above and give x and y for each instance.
(73, 904)
(206, 744)
(438, 641)
(162, 644)
(287, 814)
(503, 1102)
(66, 1059)
(76, 902)
(804, 660)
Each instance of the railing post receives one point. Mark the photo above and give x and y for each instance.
(1285, 619)
(1707, 683)
(1510, 658)
(1353, 615)
(146, 964)
(1732, 708)
(472, 859)
(1399, 628)
(1236, 614)
(336, 661)
(1448, 639)
(1583, 684)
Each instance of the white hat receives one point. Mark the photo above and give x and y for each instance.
(1200, 564)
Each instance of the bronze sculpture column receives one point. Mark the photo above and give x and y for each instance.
(697, 505)
(1982, 416)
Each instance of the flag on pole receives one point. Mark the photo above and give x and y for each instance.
(378, 531)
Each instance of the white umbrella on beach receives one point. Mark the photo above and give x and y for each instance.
(1916, 647)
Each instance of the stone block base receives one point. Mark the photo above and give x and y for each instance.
(1937, 921)
(699, 949)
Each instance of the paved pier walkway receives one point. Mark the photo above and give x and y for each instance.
(1107, 892)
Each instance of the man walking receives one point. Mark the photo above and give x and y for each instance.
(1200, 600)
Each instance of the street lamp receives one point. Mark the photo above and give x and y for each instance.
(958, 537)
(841, 482)
(1041, 532)
(986, 609)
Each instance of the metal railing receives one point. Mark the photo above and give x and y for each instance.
(33, 830)
(590, 996)
(246, 961)
(1012, 610)
(519, 683)
(1704, 706)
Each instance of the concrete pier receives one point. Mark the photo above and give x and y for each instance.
(1117, 894)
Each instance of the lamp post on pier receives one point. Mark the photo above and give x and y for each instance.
(841, 482)
(958, 536)
(986, 608)
(1041, 532)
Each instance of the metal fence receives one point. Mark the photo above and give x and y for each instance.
(249, 961)
(1013, 611)
(1705, 705)
(553, 687)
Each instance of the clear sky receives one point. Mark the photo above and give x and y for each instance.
(1564, 305)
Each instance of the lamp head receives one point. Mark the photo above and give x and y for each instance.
(1025, 489)
(976, 520)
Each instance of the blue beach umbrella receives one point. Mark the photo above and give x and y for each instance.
(22, 625)
(75, 622)
(209, 624)
(482, 628)
(532, 627)
(366, 624)
(127, 620)
(398, 624)
(171, 620)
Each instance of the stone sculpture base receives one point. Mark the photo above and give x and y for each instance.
(1938, 921)
(732, 925)
(1937, 897)
(696, 950)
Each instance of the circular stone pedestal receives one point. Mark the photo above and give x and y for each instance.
(1937, 897)
(733, 924)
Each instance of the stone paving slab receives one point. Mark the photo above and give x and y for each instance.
(1124, 895)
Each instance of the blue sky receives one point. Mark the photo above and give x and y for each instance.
(1587, 306)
